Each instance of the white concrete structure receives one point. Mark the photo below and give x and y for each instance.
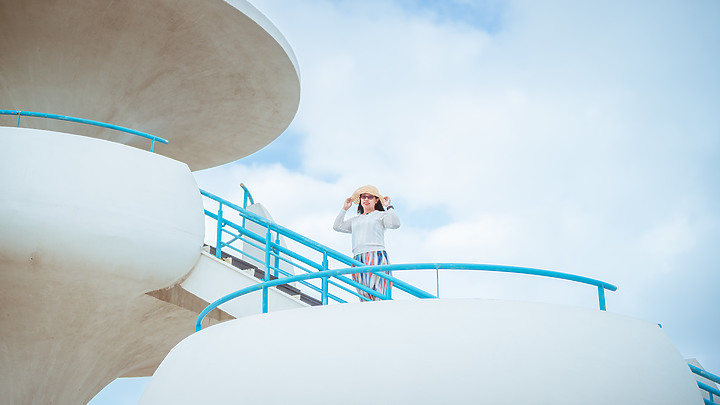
(215, 78)
(98, 236)
(427, 352)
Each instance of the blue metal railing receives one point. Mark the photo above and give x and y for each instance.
(152, 138)
(275, 253)
(229, 233)
(327, 274)
(712, 391)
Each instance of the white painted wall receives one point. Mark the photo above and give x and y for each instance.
(427, 352)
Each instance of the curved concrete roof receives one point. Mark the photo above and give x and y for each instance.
(215, 78)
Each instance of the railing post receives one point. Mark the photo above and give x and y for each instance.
(265, 300)
(601, 297)
(218, 243)
(277, 254)
(18, 121)
(325, 285)
(437, 282)
(389, 290)
(268, 241)
(245, 198)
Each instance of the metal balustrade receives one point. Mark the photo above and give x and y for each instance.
(230, 234)
(152, 138)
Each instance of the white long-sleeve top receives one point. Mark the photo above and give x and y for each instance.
(368, 231)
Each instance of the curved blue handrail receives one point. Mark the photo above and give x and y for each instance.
(325, 274)
(152, 138)
(274, 252)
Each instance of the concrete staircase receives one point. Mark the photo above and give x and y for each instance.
(213, 278)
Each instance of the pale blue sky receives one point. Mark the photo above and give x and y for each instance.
(580, 137)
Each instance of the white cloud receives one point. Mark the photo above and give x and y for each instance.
(667, 241)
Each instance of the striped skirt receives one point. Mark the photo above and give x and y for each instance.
(370, 280)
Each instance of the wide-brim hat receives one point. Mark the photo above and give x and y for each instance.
(365, 190)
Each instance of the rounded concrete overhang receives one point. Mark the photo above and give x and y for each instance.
(447, 351)
(213, 77)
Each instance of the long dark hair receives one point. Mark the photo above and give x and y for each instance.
(378, 207)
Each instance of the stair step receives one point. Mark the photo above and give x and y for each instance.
(260, 275)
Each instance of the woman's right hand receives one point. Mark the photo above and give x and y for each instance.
(348, 203)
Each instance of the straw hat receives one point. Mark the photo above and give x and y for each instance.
(365, 190)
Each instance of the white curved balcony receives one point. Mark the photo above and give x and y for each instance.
(88, 227)
(463, 351)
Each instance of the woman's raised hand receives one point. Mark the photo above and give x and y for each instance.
(348, 203)
(386, 201)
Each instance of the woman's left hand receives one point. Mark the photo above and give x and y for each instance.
(386, 201)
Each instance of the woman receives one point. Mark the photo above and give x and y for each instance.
(368, 234)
